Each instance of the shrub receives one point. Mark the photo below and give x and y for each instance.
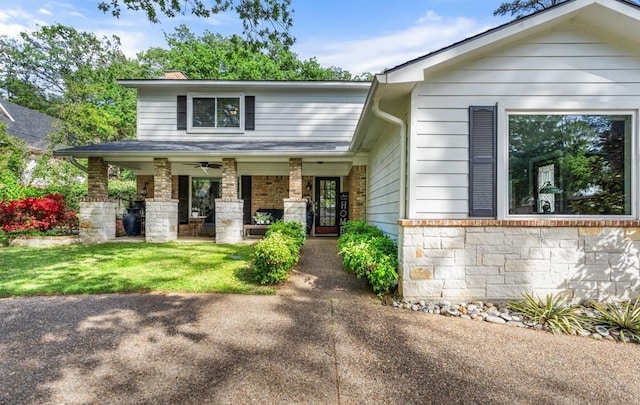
(369, 254)
(554, 313)
(273, 257)
(624, 318)
(360, 227)
(36, 215)
(293, 229)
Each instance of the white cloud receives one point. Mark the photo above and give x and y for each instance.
(45, 11)
(14, 21)
(387, 50)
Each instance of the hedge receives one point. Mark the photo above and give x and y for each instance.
(276, 254)
(369, 254)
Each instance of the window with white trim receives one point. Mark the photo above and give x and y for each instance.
(570, 164)
(223, 112)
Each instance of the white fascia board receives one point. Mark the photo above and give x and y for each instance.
(360, 131)
(416, 71)
(248, 84)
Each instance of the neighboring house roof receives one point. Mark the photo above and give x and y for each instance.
(618, 18)
(31, 126)
(187, 149)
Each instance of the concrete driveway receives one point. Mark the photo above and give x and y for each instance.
(321, 340)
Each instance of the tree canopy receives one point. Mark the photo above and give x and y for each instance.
(71, 75)
(264, 21)
(521, 8)
(213, 56)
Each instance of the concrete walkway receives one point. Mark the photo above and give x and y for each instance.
(321, 340)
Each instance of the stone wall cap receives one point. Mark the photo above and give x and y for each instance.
(174, 200)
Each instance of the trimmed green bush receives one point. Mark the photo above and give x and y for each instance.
(276, 254)
(369, 254)
(360, 227)
(293, 229)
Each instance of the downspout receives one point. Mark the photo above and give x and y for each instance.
(77, 164)
(403, 151)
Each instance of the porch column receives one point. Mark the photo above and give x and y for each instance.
(295, 207)
(161, 211)
(357, 189)
(97, 214)
(229, 208)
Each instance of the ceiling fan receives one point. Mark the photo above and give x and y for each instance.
(205, 166)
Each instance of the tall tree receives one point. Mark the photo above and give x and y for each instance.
(71, 75)
(521, 8)
(264, 21)
(213, 56)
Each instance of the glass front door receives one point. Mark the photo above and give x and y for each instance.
(327, 192)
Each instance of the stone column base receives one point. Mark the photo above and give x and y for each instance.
(295, 209)
(97, 221)
(229, 220)
(161, 220)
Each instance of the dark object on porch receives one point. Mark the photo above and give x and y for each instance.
(131, 222)
(276, 214)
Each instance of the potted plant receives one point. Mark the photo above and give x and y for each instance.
(195, 211)
(263, 218)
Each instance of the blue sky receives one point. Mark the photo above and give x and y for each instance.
(357, 35)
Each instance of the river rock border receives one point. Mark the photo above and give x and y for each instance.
(500, 314)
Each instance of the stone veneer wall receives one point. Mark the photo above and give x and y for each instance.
(356, 185)
(161, 220)
(502, 259)
(97, 221)
(229, 220)
(295, 209)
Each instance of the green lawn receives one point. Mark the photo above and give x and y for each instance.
(128, 267)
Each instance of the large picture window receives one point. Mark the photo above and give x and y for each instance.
(221, 112)
(570, 164)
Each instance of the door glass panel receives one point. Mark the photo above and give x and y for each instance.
(327, 203)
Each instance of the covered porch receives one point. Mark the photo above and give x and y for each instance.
(217, 195)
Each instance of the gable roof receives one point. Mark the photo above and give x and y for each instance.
(31, 126)
(618, 18)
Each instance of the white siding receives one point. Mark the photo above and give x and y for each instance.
(566, 69)
(280, 115)
(383, 189)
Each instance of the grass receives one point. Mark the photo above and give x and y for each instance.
(128, 268)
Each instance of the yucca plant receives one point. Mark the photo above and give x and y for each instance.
(624, 318)
(554, 313)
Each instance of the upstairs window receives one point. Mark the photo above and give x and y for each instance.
(222, 112)
(570, 164)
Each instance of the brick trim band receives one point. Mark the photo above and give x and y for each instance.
(549, 223)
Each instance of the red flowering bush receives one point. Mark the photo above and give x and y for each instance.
(37, 214)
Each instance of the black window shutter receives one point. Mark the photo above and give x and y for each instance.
(482, 161)
(250, 113)
(182, 112)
